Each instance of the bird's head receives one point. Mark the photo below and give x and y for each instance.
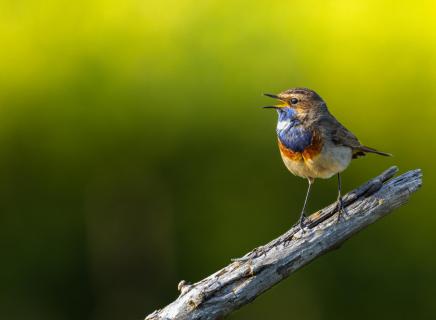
(297, 100)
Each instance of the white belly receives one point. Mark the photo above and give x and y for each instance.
(331, 160)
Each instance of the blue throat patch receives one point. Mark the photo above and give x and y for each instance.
(293, 136)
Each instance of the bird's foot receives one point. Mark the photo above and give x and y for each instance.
(342, 211)
(302, 222)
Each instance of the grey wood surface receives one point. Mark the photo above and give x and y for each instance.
(247, 277)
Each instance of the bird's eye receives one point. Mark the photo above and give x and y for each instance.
(294, 100)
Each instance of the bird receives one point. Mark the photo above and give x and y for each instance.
(312, 142)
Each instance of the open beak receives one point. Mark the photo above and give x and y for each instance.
(271, 107)
(274, 97)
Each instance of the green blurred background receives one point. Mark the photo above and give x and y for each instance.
(134, 154)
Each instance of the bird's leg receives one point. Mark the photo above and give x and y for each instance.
(302, 216)
(340, 202)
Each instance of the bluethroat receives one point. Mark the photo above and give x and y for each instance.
(312, 143)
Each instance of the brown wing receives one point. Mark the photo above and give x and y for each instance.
(337, 133)
(342, 136)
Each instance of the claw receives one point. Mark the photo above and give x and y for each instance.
(302, 223)
(341, 210)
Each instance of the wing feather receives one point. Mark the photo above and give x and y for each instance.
(340, 135)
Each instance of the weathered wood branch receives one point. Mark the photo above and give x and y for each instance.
(245, 278)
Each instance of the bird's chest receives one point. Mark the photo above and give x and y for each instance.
(295, 137)
(318, 160)
(297, 146)
(306, 154)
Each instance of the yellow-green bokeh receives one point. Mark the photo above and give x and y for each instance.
(134, 153)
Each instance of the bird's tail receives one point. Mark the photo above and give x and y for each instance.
(366, 149)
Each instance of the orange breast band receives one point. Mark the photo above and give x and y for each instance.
(308, 153)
